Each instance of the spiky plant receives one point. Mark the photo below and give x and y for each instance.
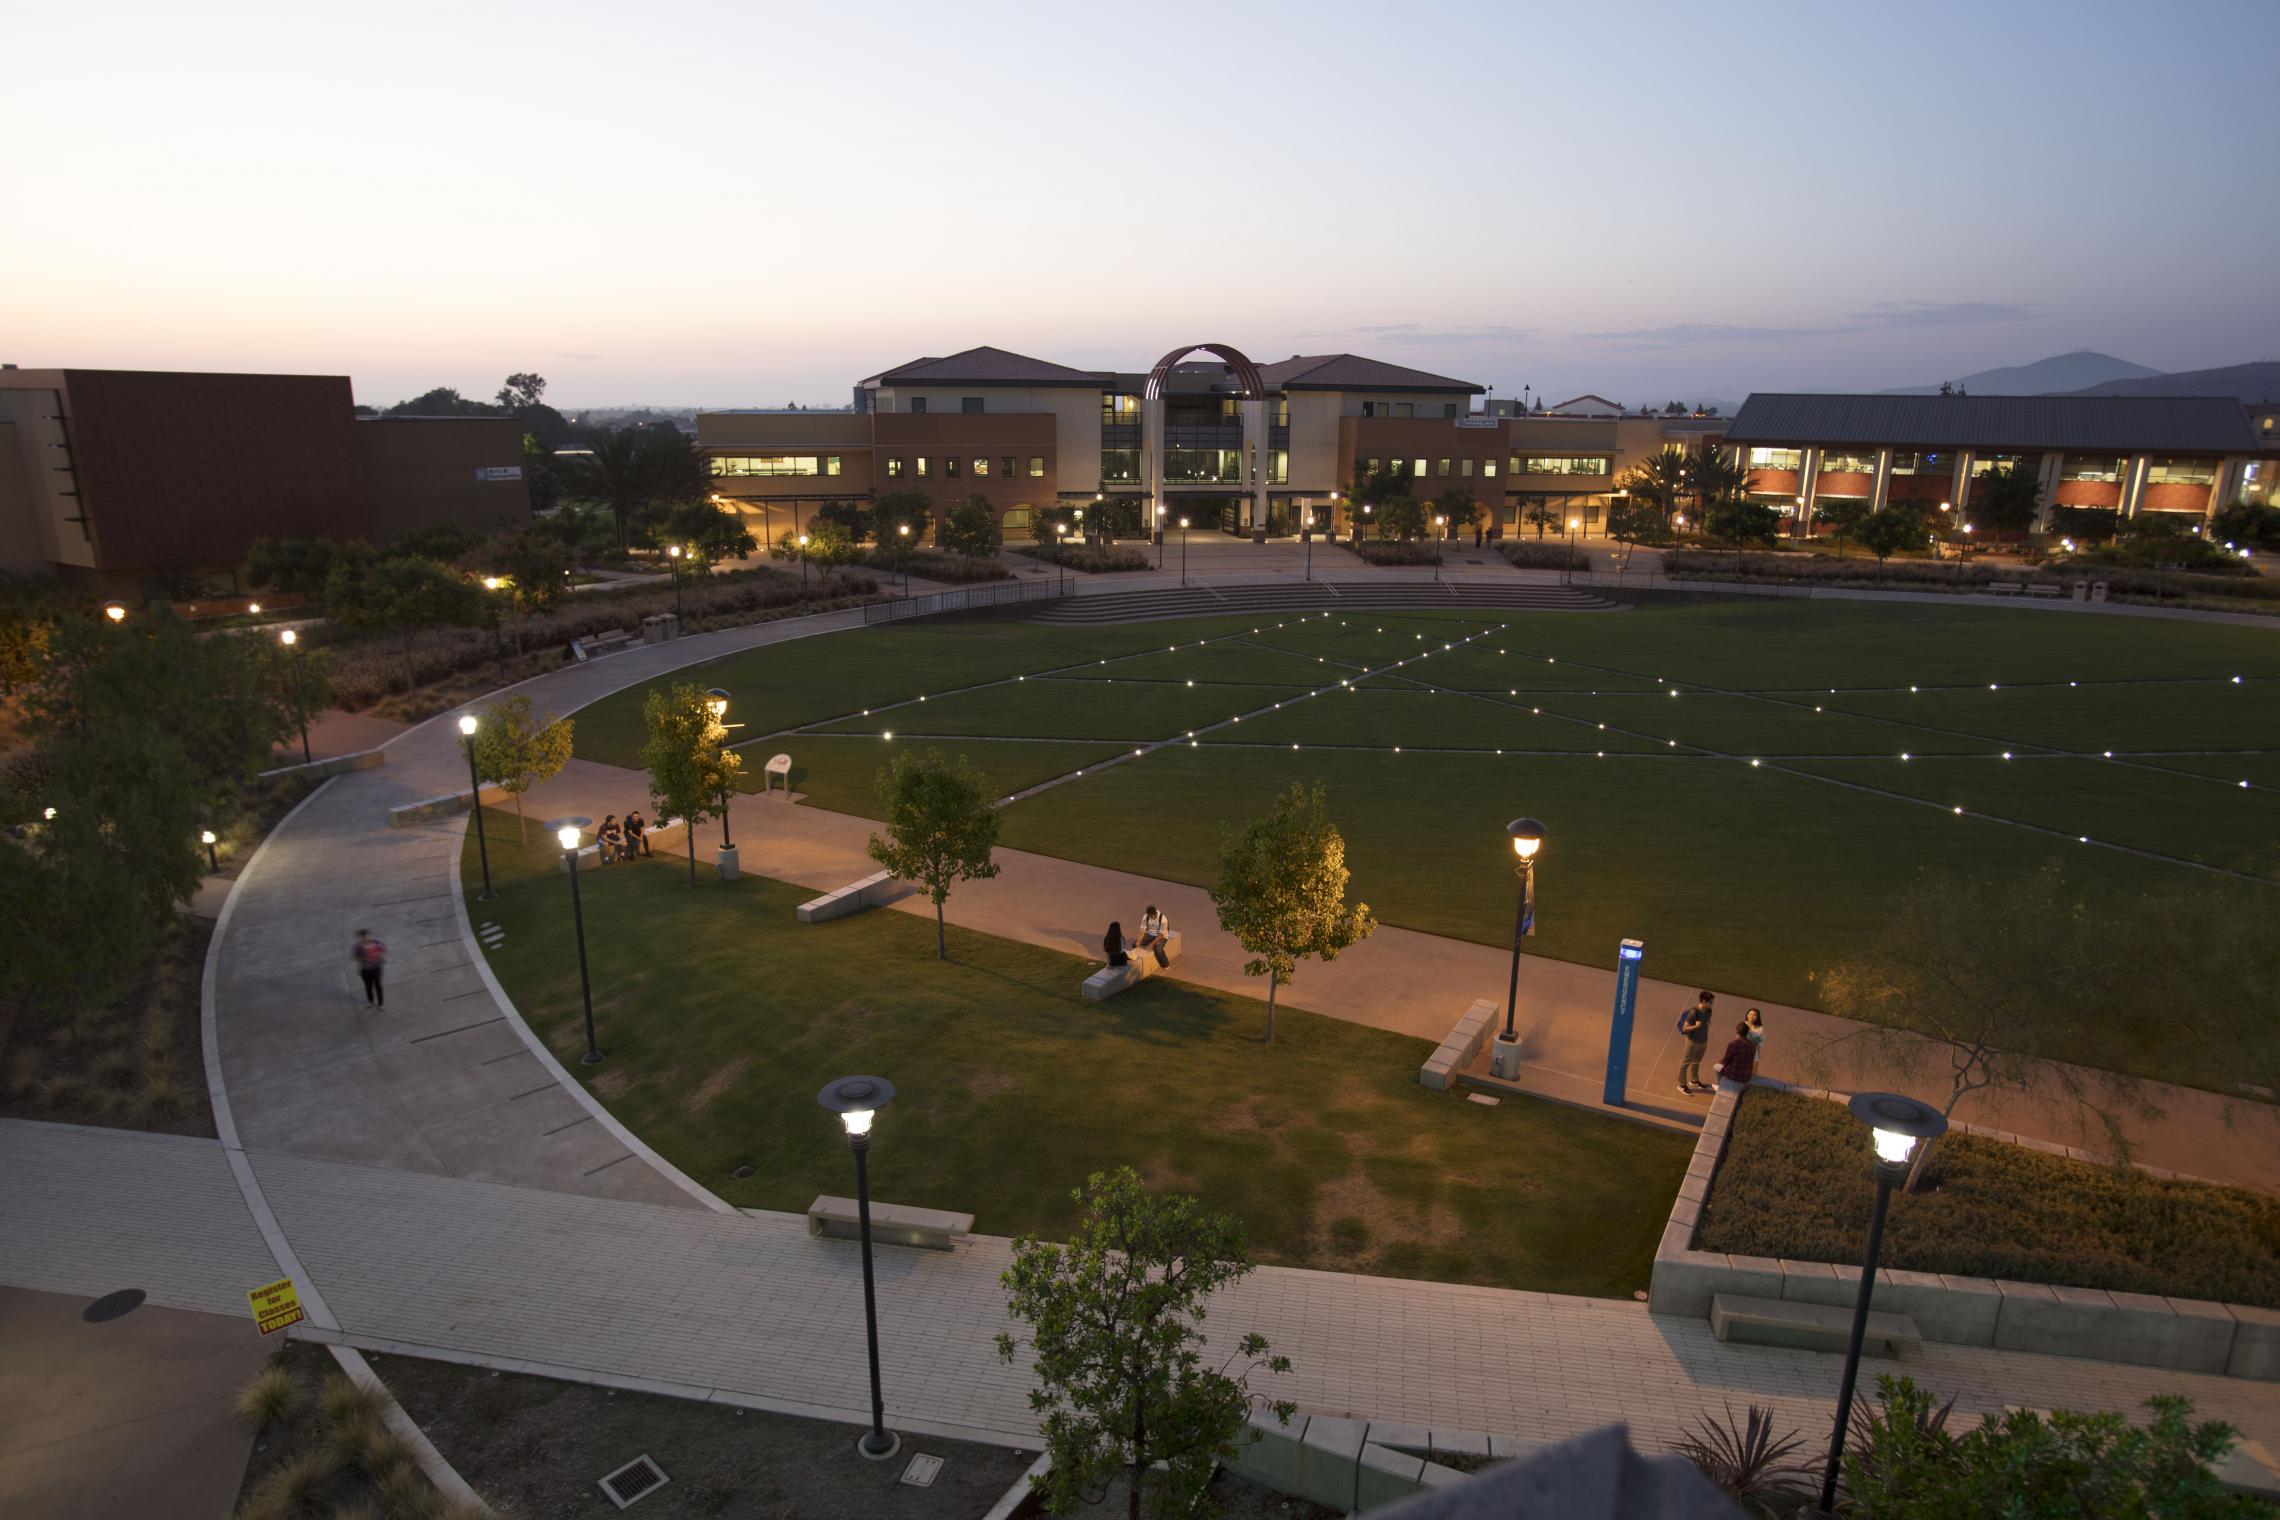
(1746, 1462)
(270, 1396)
(345, 1399)
(298, 1480)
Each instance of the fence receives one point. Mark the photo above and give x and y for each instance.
(960, 599)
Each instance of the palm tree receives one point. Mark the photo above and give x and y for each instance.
(1660, 479)
(1716, 478)
(633, 471)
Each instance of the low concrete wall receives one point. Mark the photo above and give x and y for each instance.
(1457, 1051)
(2144, 1330)
(331, 765)
(871, 892)
(1357, 1465)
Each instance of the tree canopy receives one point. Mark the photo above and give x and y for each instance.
(941, 827)
(518, 750)
(1282, 890)
(690, 765)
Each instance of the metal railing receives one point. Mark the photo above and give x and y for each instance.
(961, 599)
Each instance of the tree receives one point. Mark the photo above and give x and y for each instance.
(1401, 515)
(1888, 530)
(2086, 525)
(29, 611)
(1999, 978)
(518, 751)
(1541, 514)
(1716, 479)
(690, 766)
(1114, 1319)
(443, 401)
(2007, 499)
(896, 510)
(1282, 890)
(1631, 522)
(1660, 479)
(1843, 514)
(297, 566)
(1742, 522)
(972, 529)
(941, 828)
(638, 471)
(521, 390)
(2247, 522)
(1460, 507)
(852, 517)
(440, 541)
(406, 598)
(709, 533)
(532, 566)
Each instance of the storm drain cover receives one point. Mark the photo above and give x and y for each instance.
(112, 1305)
(922, 1471)
(638, 1479)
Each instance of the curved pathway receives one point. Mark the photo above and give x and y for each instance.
(438, 1186)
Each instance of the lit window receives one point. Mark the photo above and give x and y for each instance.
(1488, 468)
(1418, 469)
(922, 470)
(1846, 462)
(2181, 472)
(1282, 467)
(831, 464)
(1988, 464)
(1373, 469)
(1921, 462)
(1444, 470)
(981, 469)
(1773, 459)
(766, 464)
(2092, 467)
(1037, 467)
(1564, 464)
(1465, 468)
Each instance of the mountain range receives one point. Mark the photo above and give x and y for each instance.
(2259, 381)
(2058, 375)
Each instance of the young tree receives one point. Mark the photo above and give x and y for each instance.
(406, 598)
(972, 528)
(1460, 507)
(1402, 516)
(708, 533)
(1887, 531)
(1742, 522)
(852, 517)
(1282, 890)
(518, 751)
(1843, 515)
(297, 566)
(941, 828)
(2007, 499)
(690, 765)
(2086, 525)
(1114, 1320)
(1540, 515)
(896, 510)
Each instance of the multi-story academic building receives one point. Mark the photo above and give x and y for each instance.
(1219, 441)
(130, 483)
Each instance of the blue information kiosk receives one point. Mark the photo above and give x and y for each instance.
(1627, 958)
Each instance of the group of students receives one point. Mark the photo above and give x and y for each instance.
(1737, 1065)
(622, 841)
(1155, 934)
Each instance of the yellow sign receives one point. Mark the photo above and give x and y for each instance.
(275, 1306)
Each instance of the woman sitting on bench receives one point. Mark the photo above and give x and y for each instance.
(1112, 943)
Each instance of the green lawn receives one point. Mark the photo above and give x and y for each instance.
(722, 1016)
(1748, 879)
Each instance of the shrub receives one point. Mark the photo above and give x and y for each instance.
(294, 1483)
(951, 568)
(1747, 1464)
(1394, 552)
(1529, 555)
(270, 1396)
(1097, 559)
(1710, 564)
(1796, 1183)
(345, 1401)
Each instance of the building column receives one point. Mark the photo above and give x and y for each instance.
(1962, 488)
(2053, 466)
(2133, 484)
(1152, 454)
(1808, 486)
(2218, 493)
(1256, 437)
(1883, 492)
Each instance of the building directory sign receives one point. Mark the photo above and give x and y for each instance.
(499, 472)
(1627, 958)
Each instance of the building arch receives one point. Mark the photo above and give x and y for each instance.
(1246, 373)
(1254, 397)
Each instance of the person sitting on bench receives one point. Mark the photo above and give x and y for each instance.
(1155, 934)
(611, 837)
(636, 834)
(1112, 944)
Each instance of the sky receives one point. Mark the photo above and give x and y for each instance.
(754, 203)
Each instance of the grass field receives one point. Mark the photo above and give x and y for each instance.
(722, 1016)
(1752, 828)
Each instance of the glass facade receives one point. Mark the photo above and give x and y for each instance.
(1561, 464)
(1988, 464)
(1848, 462)
(742, 465)
(2181, 472)
(2092, 467)
(1119, 411)
(1922, 462)
(1120, 464)
(1774, 459)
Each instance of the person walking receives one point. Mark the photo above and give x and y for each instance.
(1694, 1025)
(1739, 1063)
(371, 957)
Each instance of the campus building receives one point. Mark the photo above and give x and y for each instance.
(1246, 448)
(139, 484)
(1814, 457)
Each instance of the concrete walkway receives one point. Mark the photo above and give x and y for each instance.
(442, 1189)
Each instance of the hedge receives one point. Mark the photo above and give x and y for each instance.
(1797, 1182)
(1544, 556)
(1098, 559)
(1389, 552)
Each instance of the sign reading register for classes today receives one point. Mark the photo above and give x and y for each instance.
(275, 1305)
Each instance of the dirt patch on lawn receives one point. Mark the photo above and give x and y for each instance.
(1250, 1116)
(713, 1086)
(1355, 1222)
(988, 1084)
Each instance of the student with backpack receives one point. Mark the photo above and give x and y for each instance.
(1694, 1025)
(371, 958)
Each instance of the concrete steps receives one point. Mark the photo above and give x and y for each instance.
(1302, 596)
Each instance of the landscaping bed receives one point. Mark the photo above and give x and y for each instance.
(1384, 552)
(1795, 1184)
(322, 1449)
(951, 569)
(1544, 554)
(1093, 559)
(537, 1448)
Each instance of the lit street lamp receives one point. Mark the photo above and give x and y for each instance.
(1183, 550)
(206, 838)
(803, 562)
(467, 726)
(1159, 538)
(115, 611)
(568, 836)
(857, 1101)
(1306, 530)
(674, 554)
(717, 699)
(292, 641)
(1898, 1124)
(902, 535)
(1527, 836)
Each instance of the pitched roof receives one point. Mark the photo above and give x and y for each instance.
(985, 366)
(1352, 372)
(2168, 424)
(1611, 408)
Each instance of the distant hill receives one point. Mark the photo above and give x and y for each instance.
(2250, 382)
(2061, 373)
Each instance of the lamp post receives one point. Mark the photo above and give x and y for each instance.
(1440, 534)
(1061, 554)
(1527, 836)
(674, 554)
(1183, 550)
(902, 550)
(568, 837)
(292, 641)
(1898, 1124)
(716, 698)
(1306, 530)
(467, 725)
(213, 861)
(1369, 510)
(803, 563)
(1159, 538)
(857, 1101)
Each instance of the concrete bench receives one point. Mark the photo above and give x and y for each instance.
(427, 810)
(2005, 588)
(1807, 1327)
(666, 838)
(892, 1224)
(1457, 1051)
(602, 643)
(871, 892)
(1140, 965)
(2043, 589)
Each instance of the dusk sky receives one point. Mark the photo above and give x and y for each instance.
(743, 204)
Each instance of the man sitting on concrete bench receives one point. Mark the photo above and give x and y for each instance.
(1155, 934)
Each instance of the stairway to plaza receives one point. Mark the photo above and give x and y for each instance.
(1204, 600)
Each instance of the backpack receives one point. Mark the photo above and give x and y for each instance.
(1688, 1012)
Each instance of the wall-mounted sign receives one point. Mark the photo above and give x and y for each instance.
(499, 472)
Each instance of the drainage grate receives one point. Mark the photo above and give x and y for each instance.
(922, 1471)
(636, 1480)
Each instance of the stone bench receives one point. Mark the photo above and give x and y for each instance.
(1806, 1327)
(2042, 589)
(2005, 588)
(601, 643)
(871, 892)
(892, 1224)
(1457, 1051)
(1140, 965)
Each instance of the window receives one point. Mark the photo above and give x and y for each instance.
(1448, 409)
(1847, 462)
(981, 469)
(894, 466)
(831, 464)
(1773, 459)
(2182, 472)
(1282, 411)
(1488, 468)
(1037, 467)
(1404, 409)
(1443, 472)
(766, 464)
(1563, 464)
(922, 467)
(1921, 462)
(1465, 469)
(1230, 409)
(1119, 411)
(1282, 467)
(1221, 465)
(1988, 464)
(918, 404)
(1005, 466)
(970, 406)
(1372, 468)
(2091, 467)
(950, 467)
(1115, 464)
(1418, 469)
